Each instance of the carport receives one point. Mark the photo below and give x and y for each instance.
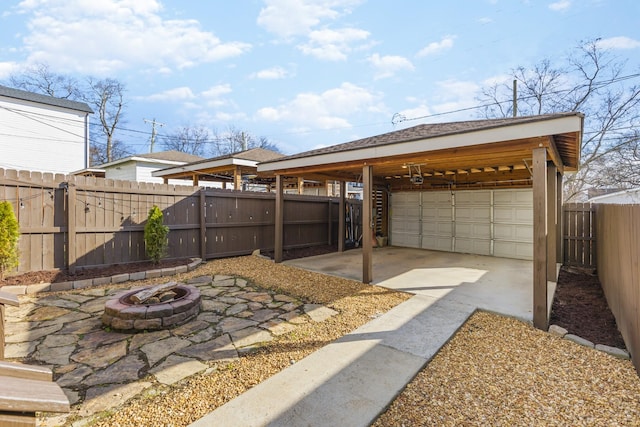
(473, 156)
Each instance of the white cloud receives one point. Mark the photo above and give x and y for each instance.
(560, 5)
(326, 110)
(332, 45)
(621, 42)
(8, 68)
(217, 91)
(288, 18)
(101, 37)
(436, 47)
(273, 73)
(176, 94)
(485, 20)
(388, 65)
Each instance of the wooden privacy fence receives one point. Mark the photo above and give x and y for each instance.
(69, 222)
(618, 234)
(579, 229)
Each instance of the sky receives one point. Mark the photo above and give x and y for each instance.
(304, 74)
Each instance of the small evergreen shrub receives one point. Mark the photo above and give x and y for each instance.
(9, 234)
(155, 235)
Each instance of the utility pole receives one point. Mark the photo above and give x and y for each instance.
(153, 132)
(515, 98)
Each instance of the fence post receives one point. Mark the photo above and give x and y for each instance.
(203, 225)
(71, 228)
(330, 222)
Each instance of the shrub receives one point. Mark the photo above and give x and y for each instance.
(155, 235)
(9, 234)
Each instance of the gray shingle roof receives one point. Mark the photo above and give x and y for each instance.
(424, 131)
(171, 155)
(44, 99)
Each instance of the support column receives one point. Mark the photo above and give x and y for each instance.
(341, 217)
(196, 179)
(540, 317)
(300, 185)
(367, 231)
(552, 225)
(203, 226)
(71, 228)
(279, 220)
(560, 225)
(237, 178)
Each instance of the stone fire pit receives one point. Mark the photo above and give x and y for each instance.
(163, 306)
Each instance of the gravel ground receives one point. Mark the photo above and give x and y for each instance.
(501, 372)
(495, 371)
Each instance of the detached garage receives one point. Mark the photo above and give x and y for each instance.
(487, 187)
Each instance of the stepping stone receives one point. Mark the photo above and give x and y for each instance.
(74, 316)
(176, 368)
(263, 297)
(294, 317)
(219, 349)
(101, 398)
(230, 300)
(278, 327)
(124, 370)
(284, 298)
(199, 279)
(190, 327)
(58, 340)
(209, 317)
(231, 324)
(19, 350)
(158, 350)
(95, 292)
(141, 339)
(94, 339)
(46, 313)
(32, 335)
(82, 326)
(101, 356)
(74, 377)
(55, 355)
(264, 314)
(226, 283)
(76, 297)
(210, 292)
(222, 278)
(204, 335)
(215, 306)
(95, 306)
(57, 302)
(250, 336)
(235, 309)
(318, 312)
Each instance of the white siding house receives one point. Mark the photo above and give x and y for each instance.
(139, 168)
(42, 133)
(623, 197)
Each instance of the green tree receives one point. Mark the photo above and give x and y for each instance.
(155, 235)
(9, 234)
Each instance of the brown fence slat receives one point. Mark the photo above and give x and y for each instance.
(579, 235)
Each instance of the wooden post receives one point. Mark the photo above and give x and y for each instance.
(279, 219)
(237, 178)
(559, 218)
(367, 231)
(5, 299)
(71, 228)
(552, 226)
(300, 185)
(341, 217)
(330, 222)
(203, 225)
(540, 238)
(196, 179)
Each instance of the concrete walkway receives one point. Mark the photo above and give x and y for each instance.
(350, 381)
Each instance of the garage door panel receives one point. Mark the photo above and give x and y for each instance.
(437, 229)
(476, 213)
(519, 214)
(473, 197)
(403, 226)
(436, 213)
(513, 197)
(518, 250)
(473, 230)
(436, 243)
(443, 197)
(515, 232)
(473, 246)
(407, 240)
(408, 198)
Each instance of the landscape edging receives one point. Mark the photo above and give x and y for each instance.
(561, 332)
(99, 281)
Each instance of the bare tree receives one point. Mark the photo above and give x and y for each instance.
(235, 140)
(107, 98)
(188, 139)
(40, 79)
(592, 81)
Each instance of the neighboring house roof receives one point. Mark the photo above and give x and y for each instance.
(629, 196)
(171, 157)
(44, 99)
(221, 164)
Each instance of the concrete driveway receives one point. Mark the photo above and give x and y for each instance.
(496, 284)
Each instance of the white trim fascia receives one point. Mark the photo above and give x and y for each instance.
(140, 159)
(487, 136)
(193, 167)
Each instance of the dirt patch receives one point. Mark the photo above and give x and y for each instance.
(580, 306)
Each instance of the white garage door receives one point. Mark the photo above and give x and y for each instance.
(485, 222)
